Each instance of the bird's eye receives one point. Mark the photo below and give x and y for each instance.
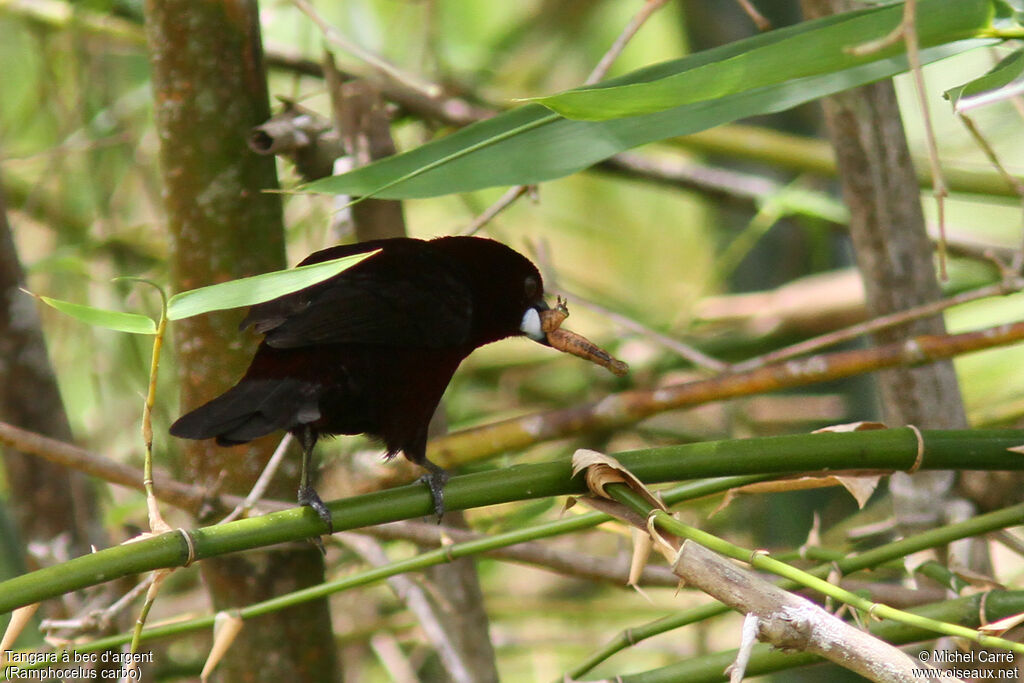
(531, 286)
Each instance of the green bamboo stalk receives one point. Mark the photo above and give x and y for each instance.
(876, 450)
(677, 494)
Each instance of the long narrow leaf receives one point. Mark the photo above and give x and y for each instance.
(1005, 80)
(256, 289)
(808, 49)
(133, 323)
(531, 144)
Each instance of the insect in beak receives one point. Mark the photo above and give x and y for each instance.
(550, 327)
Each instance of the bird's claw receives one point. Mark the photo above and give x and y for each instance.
(309, 497)
(435, 479)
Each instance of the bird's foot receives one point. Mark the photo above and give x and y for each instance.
(309, 497)
(435, 479)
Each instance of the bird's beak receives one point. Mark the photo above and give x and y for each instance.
(531, 324)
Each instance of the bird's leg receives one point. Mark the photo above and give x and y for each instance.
(307, 494)
(435, 479)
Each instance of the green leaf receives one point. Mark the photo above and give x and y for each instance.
(256, 289)
(808, 49)
(134, 323)
(531, 144)
(1005, 80)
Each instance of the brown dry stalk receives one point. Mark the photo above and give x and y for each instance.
(185, 496)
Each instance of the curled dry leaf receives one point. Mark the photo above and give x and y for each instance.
(602, 470)
(665, 543)
(977, 581)
(997, 628)
(859, 486)
(851, 427)
(569, 342)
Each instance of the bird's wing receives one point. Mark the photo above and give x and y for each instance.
(405, 296)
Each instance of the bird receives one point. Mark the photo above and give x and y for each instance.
(372, 349)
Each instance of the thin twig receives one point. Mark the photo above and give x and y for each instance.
(727, 184)
(574, 563)
(260, 487)
(1011, 180)
(189, 497)
(1008, 286)
(638, 20)
(497, 207)
(619, 410)
(418, 603)
(907, 30)
(939, 189)
(759, 19)
(383, 66)
(691, 354)
(385, 646)
(650, 6)
(698, 358)
(96, 619)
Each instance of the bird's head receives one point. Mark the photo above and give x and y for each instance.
(508, 291)
(509, 300)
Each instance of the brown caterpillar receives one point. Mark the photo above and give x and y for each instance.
(569, 342)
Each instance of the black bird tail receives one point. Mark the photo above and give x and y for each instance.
(250, 409)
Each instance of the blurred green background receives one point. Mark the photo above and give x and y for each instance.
(78, 160)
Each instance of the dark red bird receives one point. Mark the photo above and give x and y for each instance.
(372, 349)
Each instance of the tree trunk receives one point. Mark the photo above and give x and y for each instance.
(51, 503)
(895, 257)
(210, 90)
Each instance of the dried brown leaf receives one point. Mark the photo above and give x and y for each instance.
(860, 487)
(980, 582)
(665, 543)
(997, 628)
(861, 426)
(602, 470)
(570, 502)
